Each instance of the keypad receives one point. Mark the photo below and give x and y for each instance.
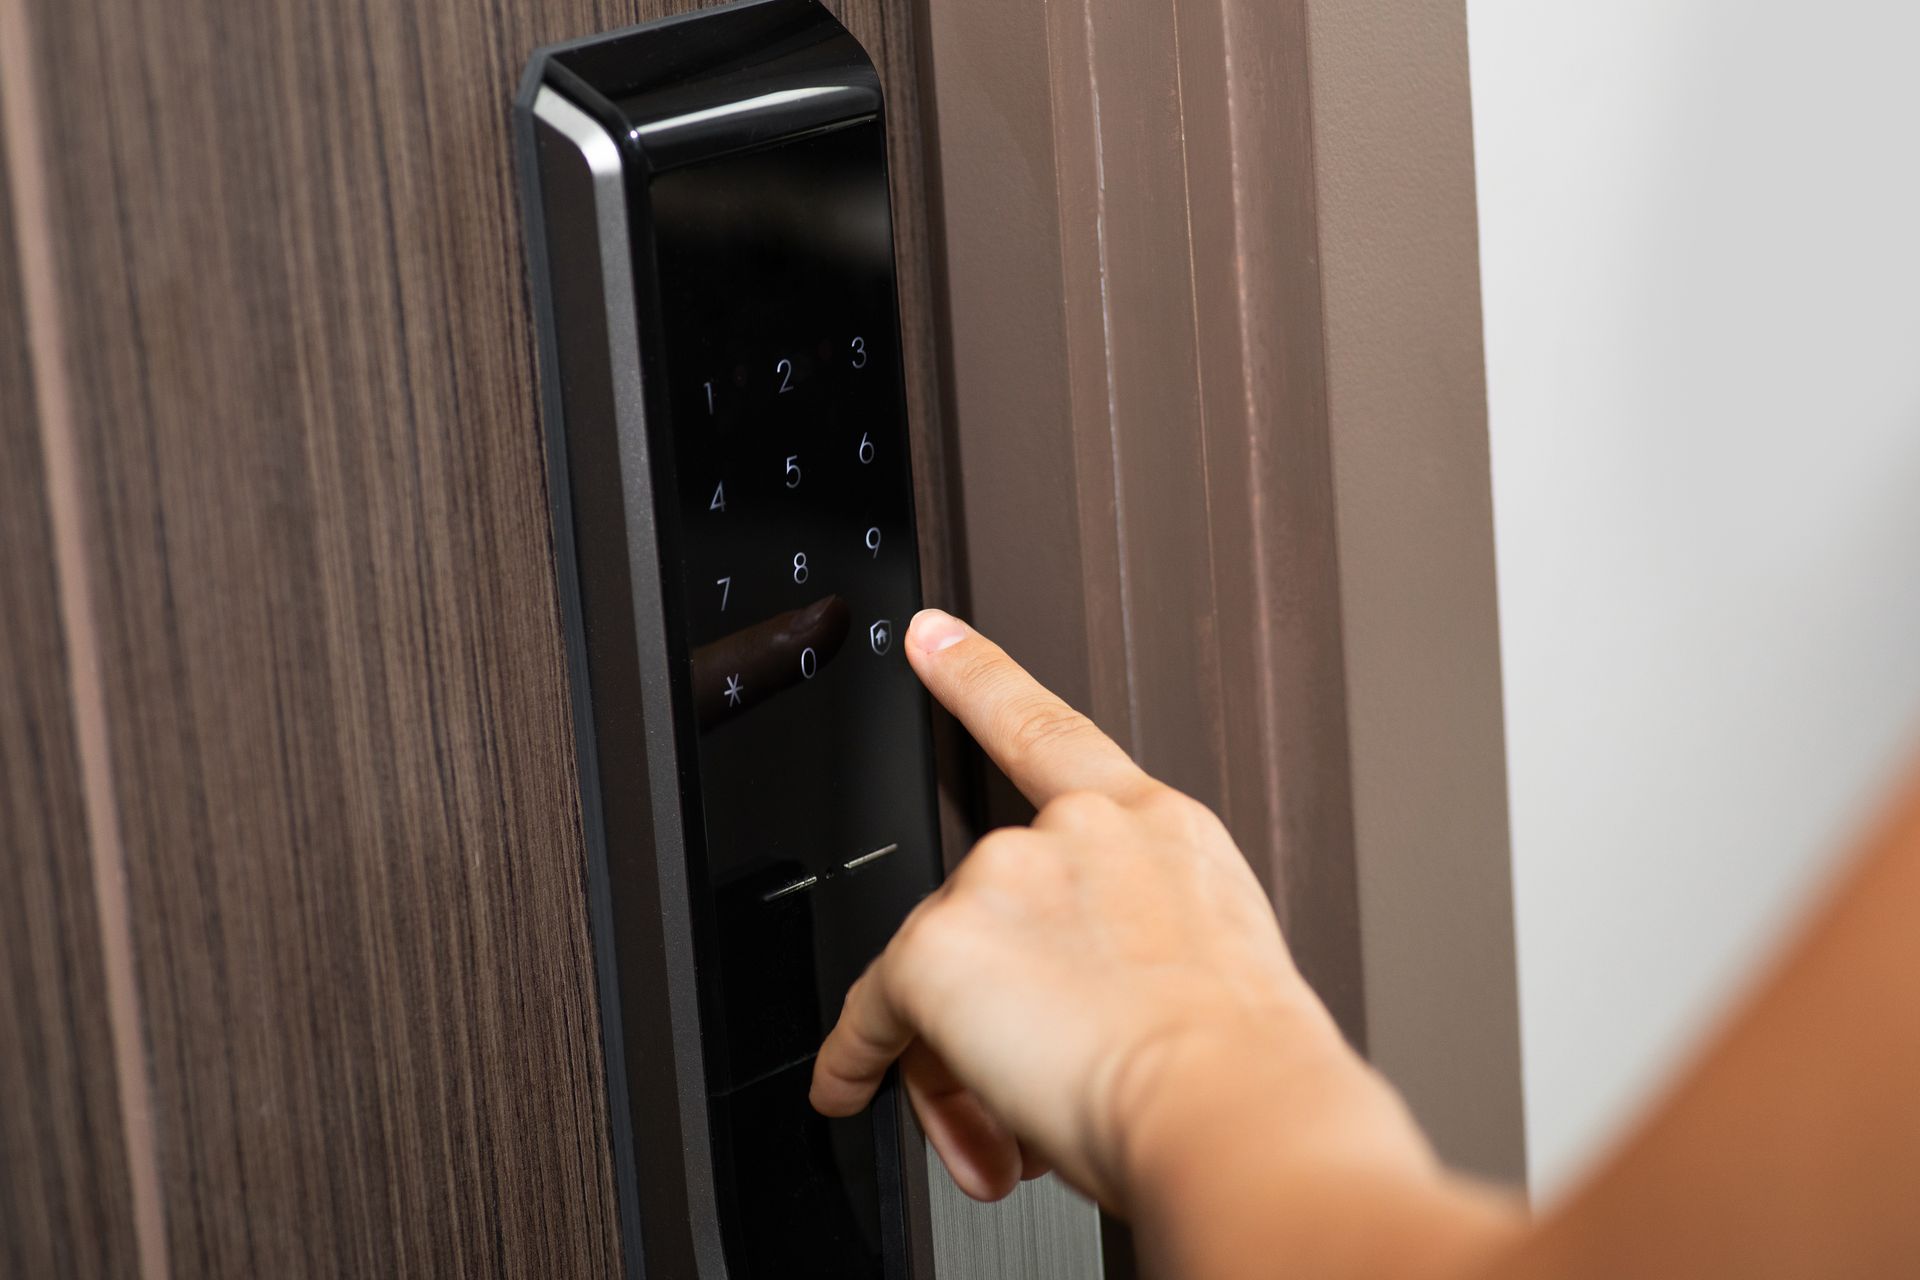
(794, 565)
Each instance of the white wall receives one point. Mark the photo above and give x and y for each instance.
(1700, 228)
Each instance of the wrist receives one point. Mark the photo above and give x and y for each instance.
(1283, 1144)
(1172, 1100)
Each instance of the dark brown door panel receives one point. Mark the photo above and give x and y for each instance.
(301, 388)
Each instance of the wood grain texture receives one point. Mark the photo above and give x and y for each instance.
(302, 374)
(316, 524)
(65, 1207)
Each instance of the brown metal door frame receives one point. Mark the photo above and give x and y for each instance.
(1208, 275)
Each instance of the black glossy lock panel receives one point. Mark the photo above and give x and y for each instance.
(712, 255)
(797, 570)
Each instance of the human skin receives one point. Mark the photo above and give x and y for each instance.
(1106, 992)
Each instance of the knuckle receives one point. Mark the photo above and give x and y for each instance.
(998, 854)
(1078, 810)
(1177, 809)
(914, 926)
(1173, 804)
(917, 948)
(927, 959)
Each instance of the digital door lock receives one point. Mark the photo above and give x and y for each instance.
(711, 244)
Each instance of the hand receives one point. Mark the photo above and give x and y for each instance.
(1074, 977)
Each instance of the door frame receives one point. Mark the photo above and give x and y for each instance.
(1216, 465)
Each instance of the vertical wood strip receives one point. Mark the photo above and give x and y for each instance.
(34, 236)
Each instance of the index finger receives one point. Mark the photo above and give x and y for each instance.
(1043, 745)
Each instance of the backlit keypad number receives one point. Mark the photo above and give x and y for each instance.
(790, 371)
(809, 663)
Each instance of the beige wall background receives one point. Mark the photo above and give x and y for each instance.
(1697, 228)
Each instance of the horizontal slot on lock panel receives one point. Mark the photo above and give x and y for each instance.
(798, 886)
(854, 864)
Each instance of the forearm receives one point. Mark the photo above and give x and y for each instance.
(1789, 1149)
(1792, 1146)
(1298, 1163)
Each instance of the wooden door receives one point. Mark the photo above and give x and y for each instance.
(298, 977)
